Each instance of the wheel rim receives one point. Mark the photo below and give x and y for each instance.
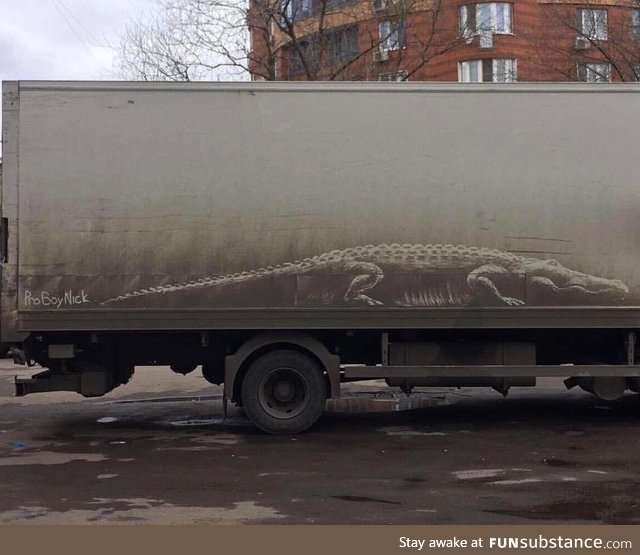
(284, 393)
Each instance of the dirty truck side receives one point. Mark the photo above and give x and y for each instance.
(286, 238)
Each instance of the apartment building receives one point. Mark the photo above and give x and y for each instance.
(446, 40)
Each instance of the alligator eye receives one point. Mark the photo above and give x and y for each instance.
(553, 262)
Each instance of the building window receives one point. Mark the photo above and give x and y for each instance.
(593, 23)
(339, 46)
(635, 24)
(395, 76)
(470, 72)
(504, 71)
(380, 5)
(391, 35)
(485, 20)
(488, 71)
(342, 45)
(595, 72)
(305, 54)
(294, 10)
(330, 5)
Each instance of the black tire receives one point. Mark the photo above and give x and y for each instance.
(284, 392)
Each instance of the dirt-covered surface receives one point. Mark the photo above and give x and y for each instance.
(159, 451)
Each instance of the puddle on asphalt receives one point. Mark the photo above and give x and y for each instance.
(217, 439)
(513, 476)
(399, 431)
(477, 474)
(562, 511)
(560, 463)
(282, 473)
(516, 482)
(360, 499)
(50, 457)
(196, 448)
(190, 422)
(144, 511)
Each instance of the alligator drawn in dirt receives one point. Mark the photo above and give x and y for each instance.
(409, 275)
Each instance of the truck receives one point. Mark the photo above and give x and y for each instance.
(290, 237)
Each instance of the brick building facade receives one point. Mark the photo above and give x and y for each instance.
(447, 40)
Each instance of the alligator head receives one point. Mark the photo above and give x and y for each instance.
(553, 275)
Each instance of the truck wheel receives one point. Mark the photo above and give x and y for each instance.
(284, 392)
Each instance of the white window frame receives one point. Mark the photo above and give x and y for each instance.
(475, 68)
(488, 23)
(489, 18)
(465, 69)
(593, 23)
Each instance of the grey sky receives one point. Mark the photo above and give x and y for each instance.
(62, 39)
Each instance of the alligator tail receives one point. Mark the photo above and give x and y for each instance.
(210, 281)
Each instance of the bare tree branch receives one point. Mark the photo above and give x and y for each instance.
(281, 39)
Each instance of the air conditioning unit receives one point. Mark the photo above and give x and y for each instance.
(381, 56)
(582, 43)
(380, 5)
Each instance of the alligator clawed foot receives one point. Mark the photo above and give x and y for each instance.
(512, 301)
(367, 300)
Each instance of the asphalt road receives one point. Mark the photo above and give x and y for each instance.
(158, 451)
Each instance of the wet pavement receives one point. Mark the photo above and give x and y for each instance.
(159, 451)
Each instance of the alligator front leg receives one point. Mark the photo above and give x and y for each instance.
(481, 281)
(368, 276)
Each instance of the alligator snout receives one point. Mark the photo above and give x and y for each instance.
(556, 277)
(620, 287)
(603, 286)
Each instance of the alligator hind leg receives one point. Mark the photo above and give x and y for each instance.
(368, 276)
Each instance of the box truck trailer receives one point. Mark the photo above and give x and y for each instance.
(287, 237)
